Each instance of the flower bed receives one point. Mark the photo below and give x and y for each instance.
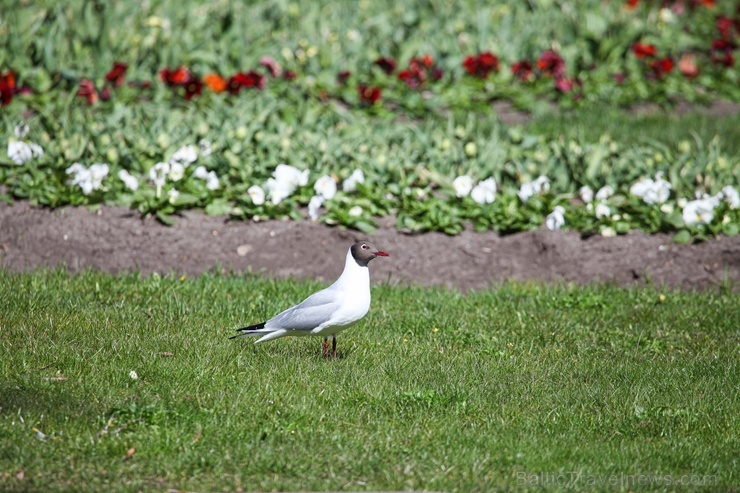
(292, 134)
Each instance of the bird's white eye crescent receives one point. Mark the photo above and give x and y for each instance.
(364, 246)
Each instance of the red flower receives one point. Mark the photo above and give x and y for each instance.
(386, 64)
(687, 66)
(88, 91)
(632, 4)
(482, 65)
(419, 70)
(193, 88)
(343, 76)
(724, 26)
(368, 95)
(289, 75)
(643, 50)
(551, 64)
(7, 87)
(242, 80)
(661, 67)
(721, 52)
(271, 64)
(116, 74)
(180, 76)
(522, 70)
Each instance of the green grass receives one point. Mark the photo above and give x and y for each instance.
(519, 387)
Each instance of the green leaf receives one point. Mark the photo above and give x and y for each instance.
(683, 236)
(165, 219)
(218, 207)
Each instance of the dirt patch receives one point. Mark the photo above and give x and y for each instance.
(115, 239)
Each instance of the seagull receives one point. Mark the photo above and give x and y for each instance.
(329, 311)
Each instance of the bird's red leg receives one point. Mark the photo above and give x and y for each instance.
(326, 348)
(334, 346)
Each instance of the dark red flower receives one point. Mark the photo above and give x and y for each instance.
(721, 52)
(7, 87)
(386, 64)
(289, 75)
(551, 63)
(643, 50)
(271, 64)
(242, 80)
(368, 95)
(117, 74)
(632, 4)
(193, 88)
(343, 76)
(419, 70)
(523, 70)
(619, 78)
(481, 65)
(180, 76)
(105, 94)
(88, 91)
(661, 67)
(566, 84)
(724, 26)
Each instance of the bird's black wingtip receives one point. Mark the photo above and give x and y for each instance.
(247, 329)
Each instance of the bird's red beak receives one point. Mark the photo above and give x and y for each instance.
(381, 254)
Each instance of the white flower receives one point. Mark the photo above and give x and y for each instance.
(284, 182)
(608, 232)
(652, 192)
(314, 205)
(210, 177)
(131, 182)
(98, 172)
(173, 195)
(133, 375)
(200, 172)
(291, 174)
(177, 170)
(587, 195)
(21, 130)
(541, 184)
(700, 211)
(556, 219)
(463, 185)
(604, 192)
(36, 150)
(257, 195)
(484, 192)
(350, 184)
(158, 173)
(88, 179)
(731, 196)
(204, 148)
(185, 155)
(355, 211)
(326, 187)
(212, 182)
(19, 152)
(602, 210)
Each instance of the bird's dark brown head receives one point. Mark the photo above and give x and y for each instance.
(363, 252)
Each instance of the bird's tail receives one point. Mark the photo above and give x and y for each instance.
(259, 330)
(252, 330)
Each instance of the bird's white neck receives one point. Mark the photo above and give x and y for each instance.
(354, 276)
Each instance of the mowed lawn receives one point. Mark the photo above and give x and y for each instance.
(522, 387)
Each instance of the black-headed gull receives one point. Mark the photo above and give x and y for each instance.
(329, 311)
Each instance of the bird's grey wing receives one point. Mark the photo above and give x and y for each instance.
(309, 314)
